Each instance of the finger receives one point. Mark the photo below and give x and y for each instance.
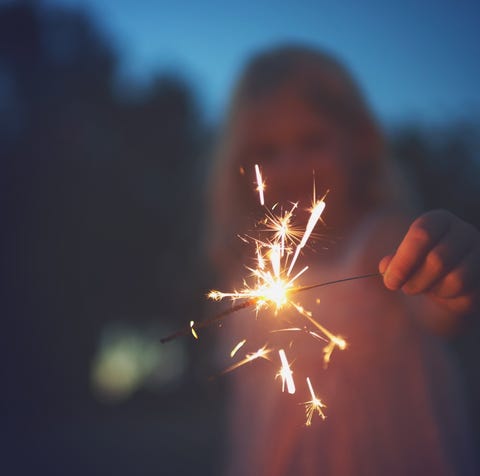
(424, 233)
(463, 279)
(465, 304)
(382, 266)
(443, 258)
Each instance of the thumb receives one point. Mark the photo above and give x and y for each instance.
(384, 262)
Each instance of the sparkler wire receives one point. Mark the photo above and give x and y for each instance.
(251, 302)
(336, 281)
(208, 322)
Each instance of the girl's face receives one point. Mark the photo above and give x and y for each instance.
(291, 142)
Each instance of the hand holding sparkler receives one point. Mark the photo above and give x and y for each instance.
(439, 256)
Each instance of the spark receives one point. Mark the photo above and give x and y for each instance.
(260, 185)
(283, 231)
(270, 285)
(298, 329)
(270, 289)
(261, 353)
(313, 405)
(286, 373)
(194, 333)
(237, 347)
(315, 214)
(328, 349)
(275, 255)
(334, 341)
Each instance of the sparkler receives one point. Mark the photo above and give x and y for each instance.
(270, 286)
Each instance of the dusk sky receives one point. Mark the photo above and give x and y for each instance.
(415, 60)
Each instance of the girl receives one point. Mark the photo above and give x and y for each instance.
(394, 404)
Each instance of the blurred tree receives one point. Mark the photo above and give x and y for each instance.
(102, 210)
(443, 164)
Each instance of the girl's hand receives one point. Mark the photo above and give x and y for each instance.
(439, 256)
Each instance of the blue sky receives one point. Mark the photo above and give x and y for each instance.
(414, 59)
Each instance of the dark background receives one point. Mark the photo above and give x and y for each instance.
(102, 214)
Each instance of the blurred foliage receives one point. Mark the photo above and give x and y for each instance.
(443, 164)
(102, 204)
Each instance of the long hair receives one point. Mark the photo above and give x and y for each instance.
(328, 88)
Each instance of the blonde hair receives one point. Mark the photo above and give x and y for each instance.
(329, 89)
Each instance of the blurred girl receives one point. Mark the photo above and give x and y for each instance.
(394, 405)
